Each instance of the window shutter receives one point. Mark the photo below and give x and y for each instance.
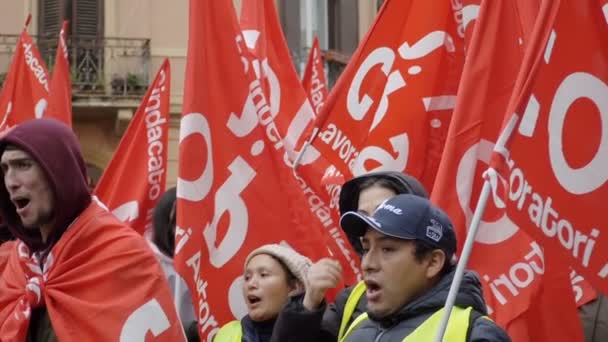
(87, 18)
(343, 18)
(50, 17)
(87, 43)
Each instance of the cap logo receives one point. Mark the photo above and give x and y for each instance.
(434, 231)
(393, 209)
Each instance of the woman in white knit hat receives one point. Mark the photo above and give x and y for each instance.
(273, 273)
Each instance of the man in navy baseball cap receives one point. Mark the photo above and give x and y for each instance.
(406, 217)
(408, 267)
(363, 194)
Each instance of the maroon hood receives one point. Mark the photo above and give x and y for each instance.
(55, 147)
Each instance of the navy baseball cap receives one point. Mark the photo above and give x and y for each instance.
(407, 217)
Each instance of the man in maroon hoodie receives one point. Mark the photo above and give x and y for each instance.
(76, 273)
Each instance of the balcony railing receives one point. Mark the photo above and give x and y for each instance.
(99, 66)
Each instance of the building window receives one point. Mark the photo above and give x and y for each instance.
(343, 25)
(334, 22)
(50, 17)
(85, 35)
(85, 16)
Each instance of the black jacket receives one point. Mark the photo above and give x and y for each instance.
(326, 320)
(295, 323)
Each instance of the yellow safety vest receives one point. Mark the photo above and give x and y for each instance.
(457, 329)
(350, 306)
(230, 332)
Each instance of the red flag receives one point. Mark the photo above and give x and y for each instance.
(390, 109)
(60, 98)
(134, 180)
(470, 13)
(26, 88)
(515, 272)
(552, 154)
(234, 193)
(526, 15)
(314, 77)
(82, 286)
(294, 119)
(289, 107)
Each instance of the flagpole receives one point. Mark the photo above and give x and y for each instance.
(296, 162)
(464, 258)
(307, 143)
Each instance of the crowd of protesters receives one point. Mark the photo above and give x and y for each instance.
(406, 244)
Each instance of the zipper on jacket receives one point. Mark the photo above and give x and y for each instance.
(382, 331)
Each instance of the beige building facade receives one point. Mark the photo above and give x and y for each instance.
(116, 47)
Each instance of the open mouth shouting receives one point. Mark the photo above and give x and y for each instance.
(373, 290)
(253, 301)
(21, 203)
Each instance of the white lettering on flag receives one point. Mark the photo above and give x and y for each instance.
(528, 121)
(550, 45)
(439, 102)
(604, 272)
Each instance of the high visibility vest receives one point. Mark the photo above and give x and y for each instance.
(230, 332)
(457, 329)
(350, 306)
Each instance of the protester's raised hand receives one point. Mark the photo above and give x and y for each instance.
(322, 276)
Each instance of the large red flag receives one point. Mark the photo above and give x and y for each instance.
(552, 155)
(313, 79)
(60, 97)
(234, 193)
(288, 102)
(390, 109)
(515, 272)
(99, 282)
(134, 180)
(26, 88)
(470, 13)
(294, 119)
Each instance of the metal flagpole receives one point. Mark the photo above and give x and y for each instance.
(464, 258)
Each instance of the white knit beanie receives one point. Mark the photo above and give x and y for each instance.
(297, 264)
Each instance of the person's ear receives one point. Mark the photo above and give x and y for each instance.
(436, 260)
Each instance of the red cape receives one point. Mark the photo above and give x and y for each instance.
(100, 282)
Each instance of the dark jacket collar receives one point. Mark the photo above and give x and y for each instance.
(257, 331)
(470, 294)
